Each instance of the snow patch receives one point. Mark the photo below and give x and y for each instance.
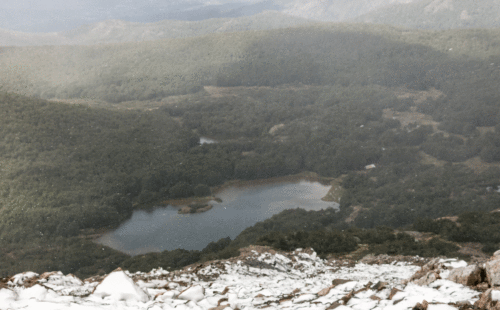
(118, 286)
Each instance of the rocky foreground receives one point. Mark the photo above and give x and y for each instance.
(262, 278)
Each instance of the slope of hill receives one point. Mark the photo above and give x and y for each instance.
(263, 278)
(61, 16)
(337, 92)
(115, 31)
(438, 14)
(17, 38)
(157, 69)
(336, 10)
(43, 18)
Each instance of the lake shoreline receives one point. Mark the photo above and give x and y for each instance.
(295, 178)
(183, 206)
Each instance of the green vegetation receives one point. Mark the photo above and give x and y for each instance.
(400, 194)
(323, 242)
(179, 258)
(326, 53)
(475, 226)
(279, 103)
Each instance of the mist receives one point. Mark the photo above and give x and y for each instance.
(59, 15)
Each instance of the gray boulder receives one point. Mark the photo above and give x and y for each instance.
(493, 272)
(469, 275)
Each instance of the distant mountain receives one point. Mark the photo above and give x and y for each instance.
(129, 22)
(115, 31)
(17, 38)
(70, 14)
(438, 14)
(56, 15)
(336, 10)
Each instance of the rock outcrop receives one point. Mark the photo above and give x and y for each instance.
(492, 269)
(428, 273)
(489, 300)
(261, 278)
(469, 276)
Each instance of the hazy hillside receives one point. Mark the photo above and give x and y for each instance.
(51, 15)
(336, 10)
(16, 38)
(420, 105)
(114, 31)
(130, 21)
(439, 14)
(120, 31)
(157, 69)
(55, 15)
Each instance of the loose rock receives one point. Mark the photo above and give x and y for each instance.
(469, 276)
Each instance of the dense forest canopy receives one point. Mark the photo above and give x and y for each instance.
(324, 99)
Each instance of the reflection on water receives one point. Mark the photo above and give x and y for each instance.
(164, 229)
(204, 140)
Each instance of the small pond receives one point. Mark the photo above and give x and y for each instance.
(241, 207)
(204, 140)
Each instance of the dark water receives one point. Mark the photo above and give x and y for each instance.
(164, 229)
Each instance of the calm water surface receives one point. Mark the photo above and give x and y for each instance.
(164, 229)
(204, 140)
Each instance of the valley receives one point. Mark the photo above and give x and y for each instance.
(95, 136)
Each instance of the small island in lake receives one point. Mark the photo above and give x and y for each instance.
(192, 205)
(195, 208)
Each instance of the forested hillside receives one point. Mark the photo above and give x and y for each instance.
(352, 54)
(116, 31)
(328, 99)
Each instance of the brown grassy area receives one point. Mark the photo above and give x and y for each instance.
(484, 130)
(427, 159)
(146, 105)
(475, 163)
(336, 191)
(407, 118)
(354, 214)
(479, 166)
(419, 97)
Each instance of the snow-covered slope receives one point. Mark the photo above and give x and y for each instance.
(259, 278)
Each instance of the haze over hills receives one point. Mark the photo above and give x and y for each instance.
(165, 67)
(327, 100)
(199, 18)
(57, 15)
(336, 10)
(115, 31)
(159, 21)
(438, 14)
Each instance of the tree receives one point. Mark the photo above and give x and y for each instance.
(202, 190)
(181, 190)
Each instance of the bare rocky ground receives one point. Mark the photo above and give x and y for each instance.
(262, 278)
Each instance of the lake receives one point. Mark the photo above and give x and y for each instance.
(164, 229)
(204, 140)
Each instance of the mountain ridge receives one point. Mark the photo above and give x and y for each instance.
(118, 31)
(438, 14)
(337, 10)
